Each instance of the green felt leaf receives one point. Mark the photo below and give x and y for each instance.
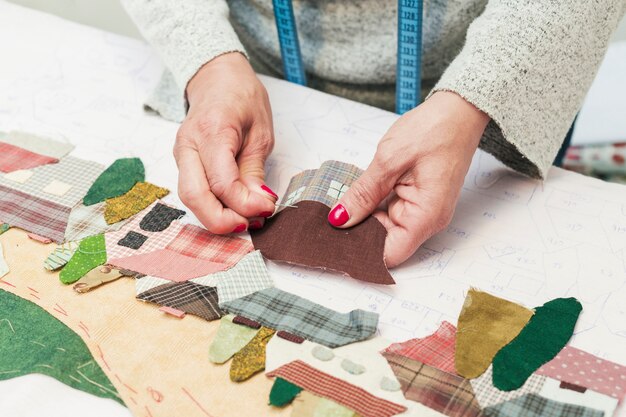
(229, 339)
(283, 392)
(540, 341)
(33, 341)
(91, 253)
(4, 227)
(116, 180)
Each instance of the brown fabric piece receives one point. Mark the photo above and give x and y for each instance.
(572, 387)
(246, 322)
(303, 236)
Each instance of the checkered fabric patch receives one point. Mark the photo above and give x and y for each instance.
(435, 350)
(133, 240)
(38, 144)
(281, 310)
(60, 256)
(249, 275)
(186, 296)
(160, 217)
(14, 158)
(449, 394)
(77, 173)
(87, 221)
(197, 242)
(147, 283)
(533, 405)
(325, 185)
(355, 398)
(487, 394)
(35, 215)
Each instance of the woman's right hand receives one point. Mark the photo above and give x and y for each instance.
(222, 145)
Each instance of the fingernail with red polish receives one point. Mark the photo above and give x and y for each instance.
(255, 225)
(269, 191)
(266, 213)
(239, 228)
(338, 216)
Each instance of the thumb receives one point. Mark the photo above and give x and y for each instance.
(364, 195)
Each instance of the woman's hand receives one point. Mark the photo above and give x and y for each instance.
(222, 145)
(423, 159)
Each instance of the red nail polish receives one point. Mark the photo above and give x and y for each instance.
(255, 225)
(338, 216)
(269, 191)
(239, 228)
(266, 214)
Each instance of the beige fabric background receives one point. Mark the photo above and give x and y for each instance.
(159, 364)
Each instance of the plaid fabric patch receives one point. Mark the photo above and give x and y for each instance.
(449, 394)
(35, 215)
(249, 275)
(14, 158)
(197, 242)
(186, 296)
(325, 185)
(77, 173)
(133, 240)
(87, 221)
(160, 217)
(147, 283)
(60, 256)
(355, 398)
(281, 310)
(533, 405)
(435, 350)
(487, 394)
(38, 144)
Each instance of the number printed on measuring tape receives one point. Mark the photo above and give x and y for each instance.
(288, 39)
(409, 61)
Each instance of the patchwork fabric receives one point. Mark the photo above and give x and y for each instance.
(96, 277)
(33, 214)
(191, 298)
(324, 185)
(281, 310)
(290, 337)
(14, 158)
(116, 180)
(21, 175)
(60, 256)
(540, 340)
(357, 252)
(196, 242)
(249, 275)
(348, 395)
(133, 240)
(77, 173)
(58, 188)
(449, 394)
(160, 218)
(533, 405)
(138, 198)
(38, 238)
(91, 253)
(283, 392)
(38, 144)
(436, 350)
(488, 395)
(310, 405)
(486, 324)
(251, 359)
(85, 221)
(553, 390)
(581, 368)
(147, 283)
(229, 339)
(246, 322)
(4, 227)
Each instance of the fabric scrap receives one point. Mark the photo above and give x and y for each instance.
(116, 180)
(14, 158)
(96, 277)
(133, 240)
(247, 276)
(356, 252)
(310, 405)
(540, 340)
(160, 218)
(552, 390)
(335, 389)
(38, 144)
(488, 395)
(389, 384)
(191, 298)
(251, 359)
(4, 227)
(20, 176)
(4, 267)
(60, 256)
(196, 242)
(322, 353)
(352, 367)
(283, 392)
(173, 312)
(246, 322)
(138, 198)
(281, 310)
(533, 405)
(56, 187)
(146, 283)
(582, 368)
(486, 324)
(85, 221)
(40, 239)
(436, 350)
(33, 341)
(290, 336)
(91, 253)
(447, 393)
(229, 339)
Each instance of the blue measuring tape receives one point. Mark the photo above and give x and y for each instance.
(408, 71)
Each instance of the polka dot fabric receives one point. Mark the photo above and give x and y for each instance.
(581, 368)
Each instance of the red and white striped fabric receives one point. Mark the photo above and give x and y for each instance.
(13, 158)
(342, 392)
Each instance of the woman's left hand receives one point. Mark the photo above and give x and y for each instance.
(423, 160)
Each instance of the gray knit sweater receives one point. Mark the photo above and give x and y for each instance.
(527, 64)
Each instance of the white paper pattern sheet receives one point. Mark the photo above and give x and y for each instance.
(516, 238)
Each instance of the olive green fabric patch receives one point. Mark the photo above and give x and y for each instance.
(540, 341)
(229, 339)
(486, 324)
(251, 359)
(33, 341)
(283, 392)
(138, 198)
(116, 180)
(91, 253)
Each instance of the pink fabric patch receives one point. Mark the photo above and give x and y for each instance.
(584, 369)
(14, 158)
(436, 350)
(199, 243)
(173, 311)
(38, 238)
